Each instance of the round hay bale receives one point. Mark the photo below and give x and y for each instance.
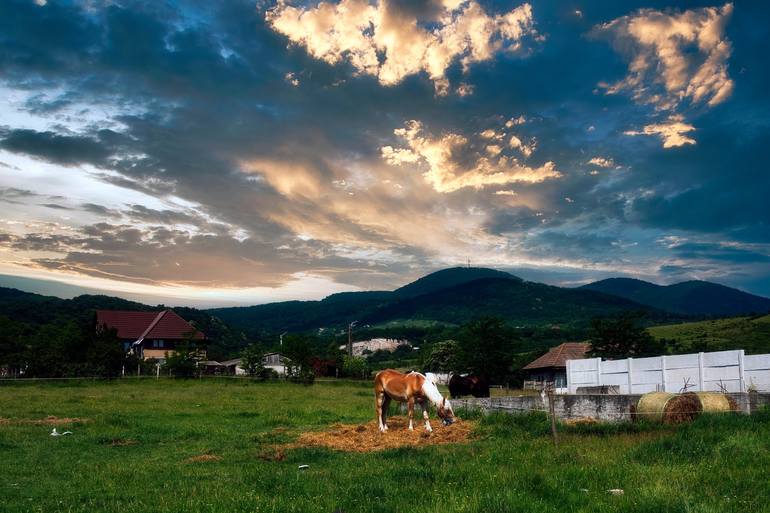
(716, 402)
(682, 408)
(651, 406)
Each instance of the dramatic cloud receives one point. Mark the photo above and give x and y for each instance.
(210, 150)
(673, 132)
(391, 41)
(674, 56)
(452, 163)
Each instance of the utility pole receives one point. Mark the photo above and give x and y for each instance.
(350, 338)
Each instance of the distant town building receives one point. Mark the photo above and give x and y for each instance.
(551, 368)
(363, 347)
(275, 361)
(151, 335)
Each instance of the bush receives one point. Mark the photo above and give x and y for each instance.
(353, 367)
(182, 363)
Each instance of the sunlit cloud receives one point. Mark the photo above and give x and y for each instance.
(451, 164)
(602, 162)
(673, 132)
(359, 32)
(673, 55)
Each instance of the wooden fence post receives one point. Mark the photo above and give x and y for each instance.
(553, 416)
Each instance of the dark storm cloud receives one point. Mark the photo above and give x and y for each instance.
(61, 149)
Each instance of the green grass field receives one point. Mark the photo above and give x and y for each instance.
(749, 333)
(718, 464)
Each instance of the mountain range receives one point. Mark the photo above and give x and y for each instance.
(448, 297)
(695, 298)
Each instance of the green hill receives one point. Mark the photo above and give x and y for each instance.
(749, 333)
(448, 278)
(695, 298)
(449, 297)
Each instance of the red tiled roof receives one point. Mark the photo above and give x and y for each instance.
(133, 325)
(558, 356)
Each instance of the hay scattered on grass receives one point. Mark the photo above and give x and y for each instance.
(203, 458)
(123, 442)
(581, 421)
(367, 437)
(51, 420)
(272, 454)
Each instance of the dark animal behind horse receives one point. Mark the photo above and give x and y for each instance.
(477, 386)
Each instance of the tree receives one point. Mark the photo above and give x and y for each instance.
(622, 337)
(487, 347)
(444, 357)
(354, 367)
(251, 360)
(298, 350)
(104, 355)
(182, 363)
(11, 346)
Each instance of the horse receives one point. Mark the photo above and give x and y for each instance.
(410, 388)
(477, 386)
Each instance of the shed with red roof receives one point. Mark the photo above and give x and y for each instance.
(551, 368)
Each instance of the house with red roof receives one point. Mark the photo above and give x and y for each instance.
(551, 368)
(151, 335)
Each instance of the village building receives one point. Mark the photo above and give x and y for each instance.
(274, 361)
(150, 335)
(551, 368)
(364, 347)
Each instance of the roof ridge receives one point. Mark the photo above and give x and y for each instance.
(151, 326)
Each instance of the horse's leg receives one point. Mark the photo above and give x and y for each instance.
(379, 402)
(425, 416)
(410, 407)
(385, 409)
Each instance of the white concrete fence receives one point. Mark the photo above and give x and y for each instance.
(733, 370)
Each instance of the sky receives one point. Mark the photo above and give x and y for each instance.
(234, 152)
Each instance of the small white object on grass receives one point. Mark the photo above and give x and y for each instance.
(615, 491)
(303, 467)
(56, 433)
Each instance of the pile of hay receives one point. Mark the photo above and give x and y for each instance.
(678, 408)
(367, 437)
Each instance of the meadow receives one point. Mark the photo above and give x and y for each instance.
(719, 334)
(206, 446)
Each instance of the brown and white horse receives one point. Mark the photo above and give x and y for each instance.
(409, 388)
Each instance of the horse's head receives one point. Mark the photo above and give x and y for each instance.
(445, 412)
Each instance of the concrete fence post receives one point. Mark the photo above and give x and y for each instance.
(599, 371)
(741, 372)
(700, 372)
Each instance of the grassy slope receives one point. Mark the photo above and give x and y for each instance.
(749, 333)
(718, 464)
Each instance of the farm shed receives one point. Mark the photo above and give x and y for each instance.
(152, 335)
(551, 368)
